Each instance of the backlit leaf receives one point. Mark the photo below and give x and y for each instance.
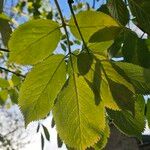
(138, 76)
(79, 121)
(41, 86)
(103, 141)
(3, 96)
(33, 41)
(91, 22)
(4, 83)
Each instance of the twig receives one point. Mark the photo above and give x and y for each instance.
(63, 24)
(17, 74)
(142, 35)
(4, 50)
(76, 23)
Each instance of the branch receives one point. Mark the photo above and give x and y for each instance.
(4, 50)
(17, 74)
(63, 24)
(76, 23)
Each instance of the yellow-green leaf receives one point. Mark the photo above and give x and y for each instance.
(41, 86)
(91, 22)
(79, 121)
(33, 41)
(4, 83)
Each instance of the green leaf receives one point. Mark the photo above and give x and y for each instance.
(148, 112)
(3, 96)
(100, 47)
(16, 80)
(135, 49)
(105, 34)
(42, 142)
(59, 141)
(4, 83)
(46, 132)
(79, 121)
(140, 9)
(103, 8)
(41, 86)
(114, 49)
(103, 141)
(52, 123)
(34, 41)
(105, 81)
(5, 29)
(1, 6)
(118, 10)
(84, 61)
(122, 95)
(126, 122)
(138, 76)
(4, 17)
(13, 95)
(91, 22)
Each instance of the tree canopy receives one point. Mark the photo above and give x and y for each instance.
(88, 70)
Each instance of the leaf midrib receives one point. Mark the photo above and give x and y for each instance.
(78, 106)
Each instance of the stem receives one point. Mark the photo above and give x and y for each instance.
(142, 35)
(76, 23)
(66, 32)
(4, 50)
(7, 70)
(63, 24)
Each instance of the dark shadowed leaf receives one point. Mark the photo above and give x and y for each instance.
(5, 29)
(46, 132)
(42, 142)
(140, 9)
(59, 141)
(126, 122)
(84, 62)
(138, 76)
(91, 22)
(118, 10)
(148, 112)
(52, 123)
